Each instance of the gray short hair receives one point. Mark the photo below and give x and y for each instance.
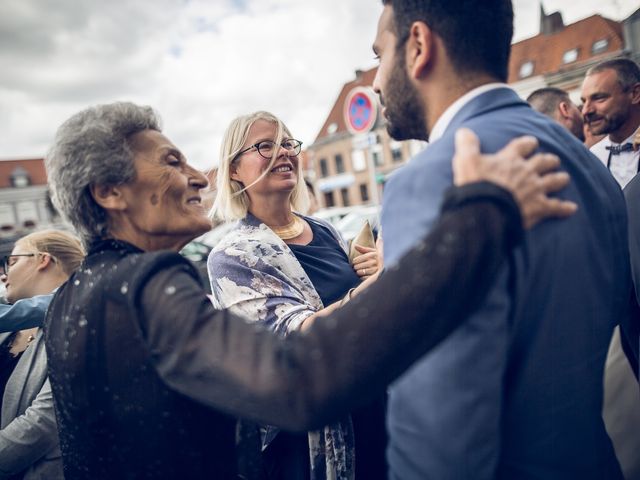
(546, 100)
(91, 148)
(627, 71)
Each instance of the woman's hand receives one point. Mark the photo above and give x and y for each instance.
(529, 181)
(368, 263)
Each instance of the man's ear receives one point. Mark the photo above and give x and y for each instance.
(563, 108)
(108, 197)
(419, 49)
(635, 94)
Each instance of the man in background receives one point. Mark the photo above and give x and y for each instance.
(611, 106)
(556, 104)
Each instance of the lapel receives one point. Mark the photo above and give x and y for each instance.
(495, 99)
(25, 381)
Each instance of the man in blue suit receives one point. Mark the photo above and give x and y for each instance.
(516, 392)
(25, 313)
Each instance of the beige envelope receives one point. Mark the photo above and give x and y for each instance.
(364, 239)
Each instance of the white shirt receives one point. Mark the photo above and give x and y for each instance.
(445, 119)
(624, 166)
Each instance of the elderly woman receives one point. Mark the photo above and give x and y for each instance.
(282, 269)
(38, 264)
(147, 376)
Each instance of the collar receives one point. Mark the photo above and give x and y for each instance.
(445, 119)
(628, 140)
(600, 148)
(99, 246)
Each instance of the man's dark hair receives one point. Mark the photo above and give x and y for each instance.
(627, 71)
(476, 33)
(546, 100)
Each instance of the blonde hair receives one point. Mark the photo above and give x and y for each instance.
(64, 247)
(232, 201)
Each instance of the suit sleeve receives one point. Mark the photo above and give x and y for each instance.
(305, 380)
(458, 387)
(30, 436)
(25, 313)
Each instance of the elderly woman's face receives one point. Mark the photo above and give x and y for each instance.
(283, 175)
(163, 205)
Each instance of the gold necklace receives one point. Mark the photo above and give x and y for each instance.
(291, 230)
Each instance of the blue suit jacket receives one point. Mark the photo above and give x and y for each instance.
(25, 313)
(516, 392)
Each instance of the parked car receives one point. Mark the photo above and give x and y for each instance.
(334, 214)
(352, 223)
(198, 253)
(198, 250)
(212, 237)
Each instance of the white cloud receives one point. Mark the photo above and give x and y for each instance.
(200, 63)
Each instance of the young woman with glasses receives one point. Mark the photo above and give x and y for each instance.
(38, 264)
(283, 269)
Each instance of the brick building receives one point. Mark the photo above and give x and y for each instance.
(24, 200)
(350, 169)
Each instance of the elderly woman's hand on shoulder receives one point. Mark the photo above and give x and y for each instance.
(529, 178)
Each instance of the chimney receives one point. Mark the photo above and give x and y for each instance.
(550, 24)
(359, 74)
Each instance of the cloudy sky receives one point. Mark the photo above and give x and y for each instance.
(198, 62)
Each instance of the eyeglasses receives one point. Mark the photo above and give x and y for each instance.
(265, 148)
(6, 260)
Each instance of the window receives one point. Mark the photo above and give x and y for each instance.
(396, 151)
(20, 178)
(358, 160)
(324, 168)
(329, 201)
(339, 164)
(526, 69)
(570, 56)
(344, 193)
(364, 192)
(378, 159)
(332, 128)
(600, 46)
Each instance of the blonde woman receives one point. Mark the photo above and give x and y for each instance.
(38, 264)
(283, 269)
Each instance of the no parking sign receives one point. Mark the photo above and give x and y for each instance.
(360, 110)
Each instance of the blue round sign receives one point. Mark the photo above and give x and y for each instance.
(360, 111)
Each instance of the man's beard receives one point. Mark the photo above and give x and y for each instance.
(611, 123)
(403, 106)
(577, 128)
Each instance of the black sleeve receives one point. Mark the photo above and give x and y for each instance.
(307, 379)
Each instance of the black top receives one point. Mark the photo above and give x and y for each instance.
(7, 363)
(326, 264)
(150, 351)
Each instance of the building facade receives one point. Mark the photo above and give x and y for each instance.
(25, 204)
(349, 167)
